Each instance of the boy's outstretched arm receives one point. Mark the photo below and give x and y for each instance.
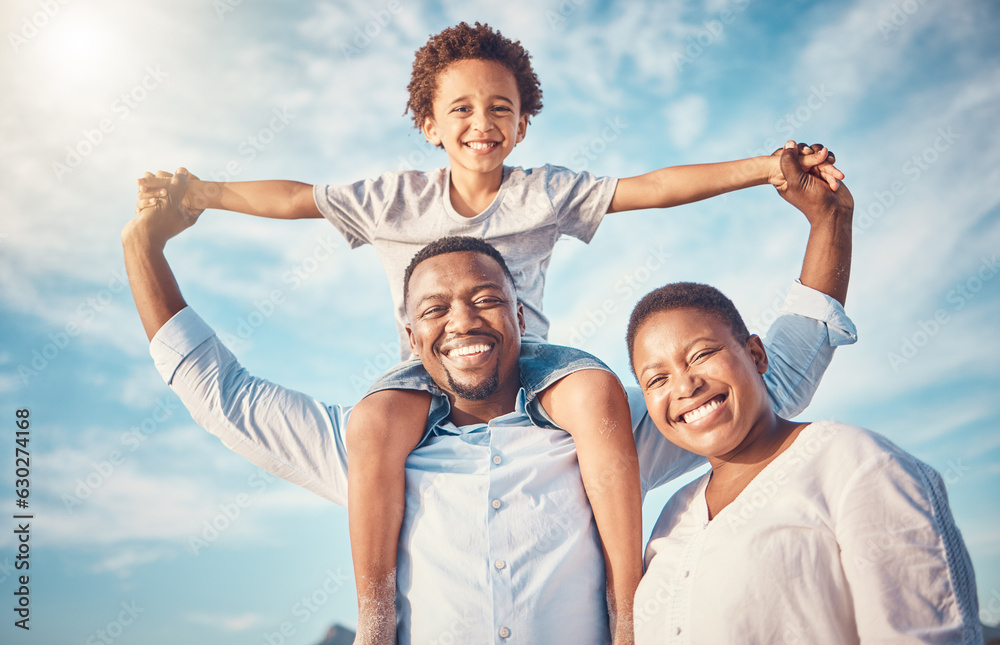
(277, 198)
(678, 185)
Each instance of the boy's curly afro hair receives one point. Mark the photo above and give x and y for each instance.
(463, 42)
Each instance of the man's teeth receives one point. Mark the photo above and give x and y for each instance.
(467, 351)
(481, 145)
(697, 413)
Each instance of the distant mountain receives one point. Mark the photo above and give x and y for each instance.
(338, 635)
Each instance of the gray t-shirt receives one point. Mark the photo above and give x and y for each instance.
(401, 212)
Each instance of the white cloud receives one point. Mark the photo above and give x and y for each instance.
(890, 95)
(686, 119)
(155, 497)
(122, 562)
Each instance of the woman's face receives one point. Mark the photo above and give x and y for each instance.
(703, 388)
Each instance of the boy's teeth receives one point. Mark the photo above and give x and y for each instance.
(471, 349)
(699, 412)
(480, 146)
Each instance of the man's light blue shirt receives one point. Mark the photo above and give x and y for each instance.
(498, 542)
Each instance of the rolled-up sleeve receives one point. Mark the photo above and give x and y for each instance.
(287, 433)
(800, 344)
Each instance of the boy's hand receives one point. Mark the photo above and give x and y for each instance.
(153, 190)
(805, 191)
(815, 159)
(166, 217)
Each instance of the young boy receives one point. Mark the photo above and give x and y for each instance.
(472, 93)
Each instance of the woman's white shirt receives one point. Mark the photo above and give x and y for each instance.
(843, 538)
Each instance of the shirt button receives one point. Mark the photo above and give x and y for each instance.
(499, 564)
(495, 503)
(496, 459)
(504, 632)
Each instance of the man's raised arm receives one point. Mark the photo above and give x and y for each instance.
(287, 433)
(827, 263)
(154, 289)
(801, 342)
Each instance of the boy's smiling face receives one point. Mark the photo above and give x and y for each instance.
(477, 116)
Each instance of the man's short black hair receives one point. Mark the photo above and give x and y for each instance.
(686, 295)
(453, 244)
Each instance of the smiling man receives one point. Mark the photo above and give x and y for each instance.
(465, 324)
(498, 541)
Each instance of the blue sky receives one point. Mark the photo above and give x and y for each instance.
(905, 92)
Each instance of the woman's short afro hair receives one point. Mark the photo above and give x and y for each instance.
(685, 295)
(463, 42)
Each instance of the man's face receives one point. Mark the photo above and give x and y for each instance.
(477, 115)
(466, 325)
(702, 387)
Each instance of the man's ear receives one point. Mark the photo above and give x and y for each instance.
(520, 318)
(757, 353)
(413, 341)
(522, 128)
(430, 131)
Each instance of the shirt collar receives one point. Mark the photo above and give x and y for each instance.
(446, 427)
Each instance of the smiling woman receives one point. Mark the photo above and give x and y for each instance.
(792, 516)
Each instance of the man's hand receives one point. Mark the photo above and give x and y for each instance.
(154, 189)
(805, 191)
(166, 216)
(815, 159)
(154, 289)
(827, 263)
